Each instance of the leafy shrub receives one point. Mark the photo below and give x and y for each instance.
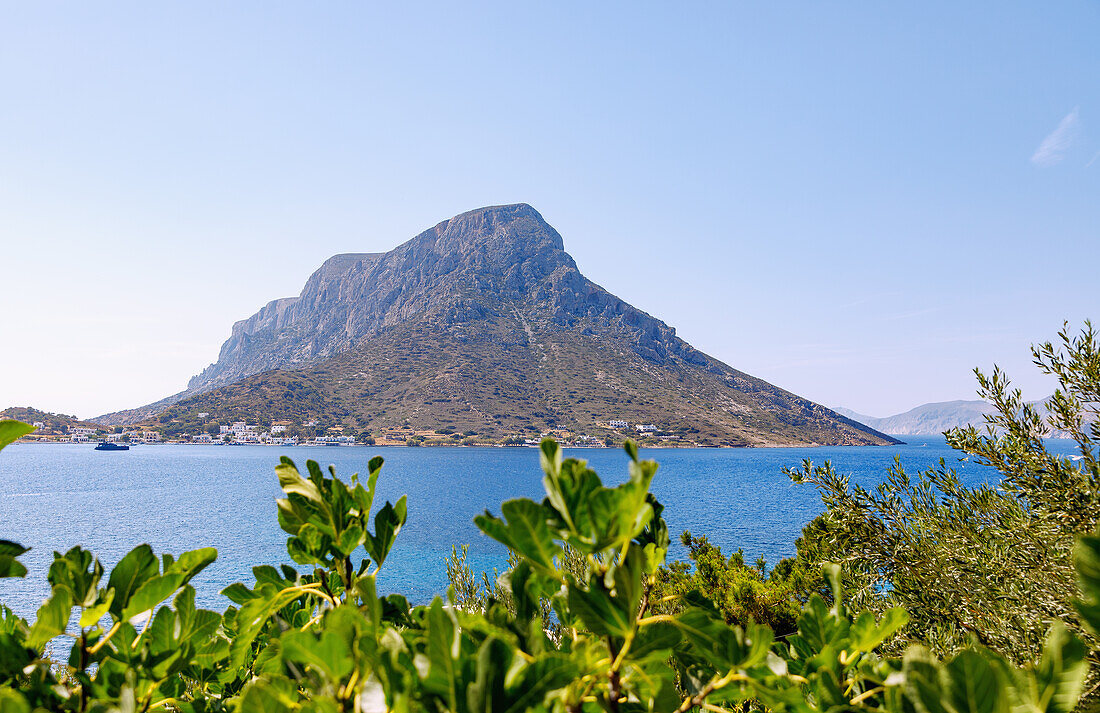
(570, 627)
(992, 563)
(742, 593)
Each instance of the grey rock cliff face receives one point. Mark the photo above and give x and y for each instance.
(491, 260)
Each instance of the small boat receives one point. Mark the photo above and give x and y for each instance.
(105, 446)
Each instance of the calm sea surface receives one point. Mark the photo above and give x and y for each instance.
(176, 498)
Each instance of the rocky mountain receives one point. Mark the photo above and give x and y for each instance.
(929, 419)
(484, 323)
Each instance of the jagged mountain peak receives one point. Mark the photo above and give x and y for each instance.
(484, 319)
(462, 268)
(493, 238)
(340, 263)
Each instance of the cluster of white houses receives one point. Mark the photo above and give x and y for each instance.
(619, 424)
(83, 434)
(240, 432)
(237, 432)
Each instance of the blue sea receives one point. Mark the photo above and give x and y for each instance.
(179, 497)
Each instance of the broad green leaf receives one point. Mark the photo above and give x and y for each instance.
(156, 589)
(260, 696)
(550, 672)
(78, 571)
(598, 611)
(973, 685)
(98, 610)
(1060, 675)
(238, 593)
(724, 646)
(550, 456)
(443, 649)
(350, 539)
(137, 567)
(12, 549)
(291, 481)
(12, 701)
(11, 567)
(252, 617)
(11, 431)
(487, 694)
(266, 574)
(819, 626)
(387, 523)
(52, 617)
(151, 593)
(923, 682)
(192, 562)
(525, 531)
(372, 607)
(524, 585)
(628, 580)
(330, 655)
(568, 489)
(656, 637)
(867, 634)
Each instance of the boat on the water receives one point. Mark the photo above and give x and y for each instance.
(105, 446)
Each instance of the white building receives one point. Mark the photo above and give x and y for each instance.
(38, 424)
(202, 438)
(278, 429)
(78, 438)
(204, 414)
(617, 423)
(81, 431)
(647, 428)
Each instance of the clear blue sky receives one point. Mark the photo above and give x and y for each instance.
(859, 202)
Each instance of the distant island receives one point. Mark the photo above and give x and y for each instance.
(478, 330)
(927, 419)
(932, 419)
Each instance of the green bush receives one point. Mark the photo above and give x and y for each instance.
(743, 594)
(570, 627)
(992, 563)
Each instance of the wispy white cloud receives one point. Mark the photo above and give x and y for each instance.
(1093, 159)
(1052, 149)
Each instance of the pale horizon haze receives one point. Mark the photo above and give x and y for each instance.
(856, 202)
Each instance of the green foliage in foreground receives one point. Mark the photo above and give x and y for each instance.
(993, 563)
(742, 593)
(326, 641)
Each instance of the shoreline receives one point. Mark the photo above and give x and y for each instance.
(90, 446)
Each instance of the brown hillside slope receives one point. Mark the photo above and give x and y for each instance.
(484, 323)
